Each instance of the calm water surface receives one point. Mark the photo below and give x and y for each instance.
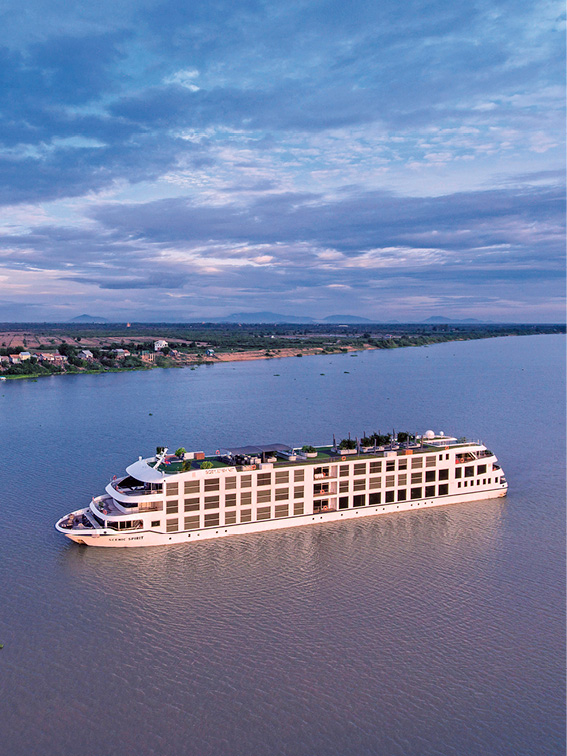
(437, 632)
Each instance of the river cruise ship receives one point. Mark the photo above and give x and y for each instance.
(191, 497)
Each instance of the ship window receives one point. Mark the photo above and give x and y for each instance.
(246, 498)
(245, 481)
(212, 484)
(416, 477)
(390, 496)
(374, 498)
(172, 525)
(443, 489)
(212, 520)
(281, 510)
(359, 485)
(415, 493)
(375, 467)
(264, 513)
(172, 507)
(481, 469)
(322, 472)
(212, 502)
(444, 474)
(430, 490)
(430, 461)
(282, 476)
(360, 468)
(230, 517)
(343, 486)
(375, 483)
(263, 496)
(192, 522)
(344, 470)
(458, 472)
(343, 502)
(417, 462)
(230, 500)
(429, 476)
(299, 475)
(402, 494)
(246, 515)
(402, 464)
(391, 464)
(298, 508)
(469, 471)
(298, 492)
(229, 483)
(192, 486)
(359, 500)
(390, 480)
(171, 489)
(264, 479)
(282, 494)
(403, 479)
(155, 524)
(459, 484)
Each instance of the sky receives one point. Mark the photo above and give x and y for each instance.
(176, 161)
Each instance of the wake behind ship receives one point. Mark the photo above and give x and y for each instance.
(169, 499)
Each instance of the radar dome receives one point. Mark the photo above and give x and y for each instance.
(429, 434)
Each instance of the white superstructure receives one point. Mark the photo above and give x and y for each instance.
(166, 499)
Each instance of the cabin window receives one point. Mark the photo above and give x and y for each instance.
(402, 464)
(429, 476)
(281, 510)
(390, 481)
(230, 517)
(321, 472)
(481, 469)
(246, 498)
(417, 462)
(229, 483)
(430, 461)
(359, 500)
(344, 471)
(374, 498)
(172, 507)
(192, 486)
(444, 474)
(469, 471)
(172, 525)
(263, 496)
(245, 481)
(282, 476)
(443, 489)
(299, 475)
(390, 465)
(403, 479)
(343, 486)
(246, 515)
(343, 502)
(263, 513)
(416, 493)
(416, 477)
(429, 490)
(298, 492)
(212, 502)
(191, 505)
(212, 484)
(359, 485)
(230, 500)
(192, 522)
(375, 483)
(282, 494)
(212, 520)
(171, 489)
(402, 494)
(390, 496)
(360, 468)
(155, 524)
(298, 508)
(264, 479)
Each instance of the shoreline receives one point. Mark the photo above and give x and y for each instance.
(194, 361)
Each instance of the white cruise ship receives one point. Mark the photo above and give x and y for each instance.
(169, 499)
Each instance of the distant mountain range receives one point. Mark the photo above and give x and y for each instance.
(88, 319)
(440, 319)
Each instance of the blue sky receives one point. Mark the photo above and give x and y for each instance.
(178, 161)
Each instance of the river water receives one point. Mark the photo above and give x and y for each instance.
(439, 632)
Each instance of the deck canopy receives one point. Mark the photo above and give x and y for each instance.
(142, 471)
(256, 451)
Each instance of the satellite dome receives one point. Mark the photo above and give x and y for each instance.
(429, 434)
